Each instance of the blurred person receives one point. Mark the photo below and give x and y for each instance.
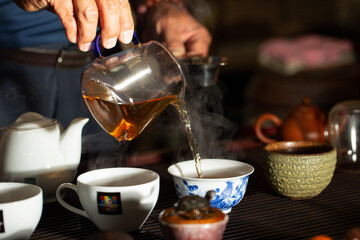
(44, 49)
(168, 21)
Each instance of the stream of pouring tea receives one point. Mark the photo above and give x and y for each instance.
(184, 116)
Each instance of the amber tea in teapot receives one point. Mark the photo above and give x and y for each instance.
(126, 121)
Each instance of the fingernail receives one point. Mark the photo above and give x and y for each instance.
(110, 43)
(85, 47)
(126, 36)
(72, 39)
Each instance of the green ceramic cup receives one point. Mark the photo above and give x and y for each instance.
(299, 169)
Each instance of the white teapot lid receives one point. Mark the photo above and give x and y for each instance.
(32, 120)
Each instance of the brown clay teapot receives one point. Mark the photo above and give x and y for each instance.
(304, 122)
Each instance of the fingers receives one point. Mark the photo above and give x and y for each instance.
(111, 12)
(188, 38)
(126, 22)
(178, 30)
(86, 13)
(199, 43)
(32, 6)
(80, 19)
(172, 38)
(65, 10)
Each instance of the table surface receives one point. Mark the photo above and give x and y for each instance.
(262, 213)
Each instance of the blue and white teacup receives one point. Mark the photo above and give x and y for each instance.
(228, 178)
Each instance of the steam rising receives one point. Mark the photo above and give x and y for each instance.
(210, 127)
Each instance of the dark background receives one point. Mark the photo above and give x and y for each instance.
(238, 27)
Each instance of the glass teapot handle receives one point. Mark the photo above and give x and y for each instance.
(96, 46)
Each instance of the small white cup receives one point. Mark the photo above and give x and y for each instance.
(21, 207)
(119, 198)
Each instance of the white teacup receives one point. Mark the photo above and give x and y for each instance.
(119, 198)
(21, 207)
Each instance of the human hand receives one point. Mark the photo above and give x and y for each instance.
(80, 19)
(176, 28)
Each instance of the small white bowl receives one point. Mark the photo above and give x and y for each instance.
(228, 178)
(21, 206)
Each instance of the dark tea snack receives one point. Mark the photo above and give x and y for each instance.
(192, 218)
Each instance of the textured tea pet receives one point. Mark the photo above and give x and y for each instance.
(192, 218)
(301, 175)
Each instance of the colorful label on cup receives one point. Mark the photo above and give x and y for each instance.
(109, 203)
(2, 227)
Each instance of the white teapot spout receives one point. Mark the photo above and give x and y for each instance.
(70, 141)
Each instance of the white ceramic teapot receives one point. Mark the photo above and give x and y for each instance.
(36, 150)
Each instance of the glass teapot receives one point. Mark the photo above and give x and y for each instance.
(344, 132)
(126, 91)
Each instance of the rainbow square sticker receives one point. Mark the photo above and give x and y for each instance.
(109, 203)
